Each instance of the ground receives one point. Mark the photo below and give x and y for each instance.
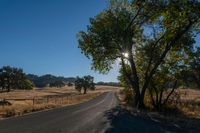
(25, 101)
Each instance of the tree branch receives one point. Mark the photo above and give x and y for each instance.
(163, 55)
(174, 87)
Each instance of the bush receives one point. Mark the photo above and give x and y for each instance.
(129, 97)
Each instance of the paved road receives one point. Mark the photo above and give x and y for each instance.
(100, 115)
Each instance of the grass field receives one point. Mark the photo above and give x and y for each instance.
(25, 101)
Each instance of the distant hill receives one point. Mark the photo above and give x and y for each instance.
(49, 80)
(58, 81)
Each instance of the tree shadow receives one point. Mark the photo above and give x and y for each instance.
(122, 121)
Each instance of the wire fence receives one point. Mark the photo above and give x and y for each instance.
(51, 99)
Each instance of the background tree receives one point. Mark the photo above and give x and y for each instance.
(69, 84)
(122, 30)
(85, 83)
(14, 78)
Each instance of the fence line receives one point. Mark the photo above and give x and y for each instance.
(56, 99)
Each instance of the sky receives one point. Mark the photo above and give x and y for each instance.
(39, 36)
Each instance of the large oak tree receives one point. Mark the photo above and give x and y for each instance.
(141, 35)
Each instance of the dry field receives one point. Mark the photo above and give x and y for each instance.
(25, 101)
(190, 95)
(189, 102)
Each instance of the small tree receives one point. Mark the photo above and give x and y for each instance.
(27, 85)
(69, 84)
(85, 83)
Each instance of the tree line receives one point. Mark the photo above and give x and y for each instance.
(15, 78)
(154, 41)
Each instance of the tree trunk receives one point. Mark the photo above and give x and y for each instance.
(141, 102)
(196, 79)
(136, 85)
(132, 83)
(172, 91)
(85, 90)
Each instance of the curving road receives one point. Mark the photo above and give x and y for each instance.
(100, 115)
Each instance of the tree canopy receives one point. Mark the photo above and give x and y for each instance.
(85, 83)
(149, 38)
(14, 78)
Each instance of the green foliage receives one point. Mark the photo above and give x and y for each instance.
(107, 36)
(27, 84)
(157, 36)
(85, 83)
(129, 96)
(195, 68)
(190, 75)
(14, 78)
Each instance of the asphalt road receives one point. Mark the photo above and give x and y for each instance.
(100, 115)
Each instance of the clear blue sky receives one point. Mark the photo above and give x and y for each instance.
(40, 36)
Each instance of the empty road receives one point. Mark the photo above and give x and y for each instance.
(100, 115)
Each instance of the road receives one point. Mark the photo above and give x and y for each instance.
(100, 115)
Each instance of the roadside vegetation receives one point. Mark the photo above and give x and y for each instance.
(155, 44)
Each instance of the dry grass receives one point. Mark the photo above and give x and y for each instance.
(189, 103)
(48, 98)
(186, 116)
(37, 92)
(189, 94)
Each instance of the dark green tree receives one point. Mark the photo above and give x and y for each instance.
(13, 78)
(85, 83)
(69, 84)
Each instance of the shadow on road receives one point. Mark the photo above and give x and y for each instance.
(123, 122)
